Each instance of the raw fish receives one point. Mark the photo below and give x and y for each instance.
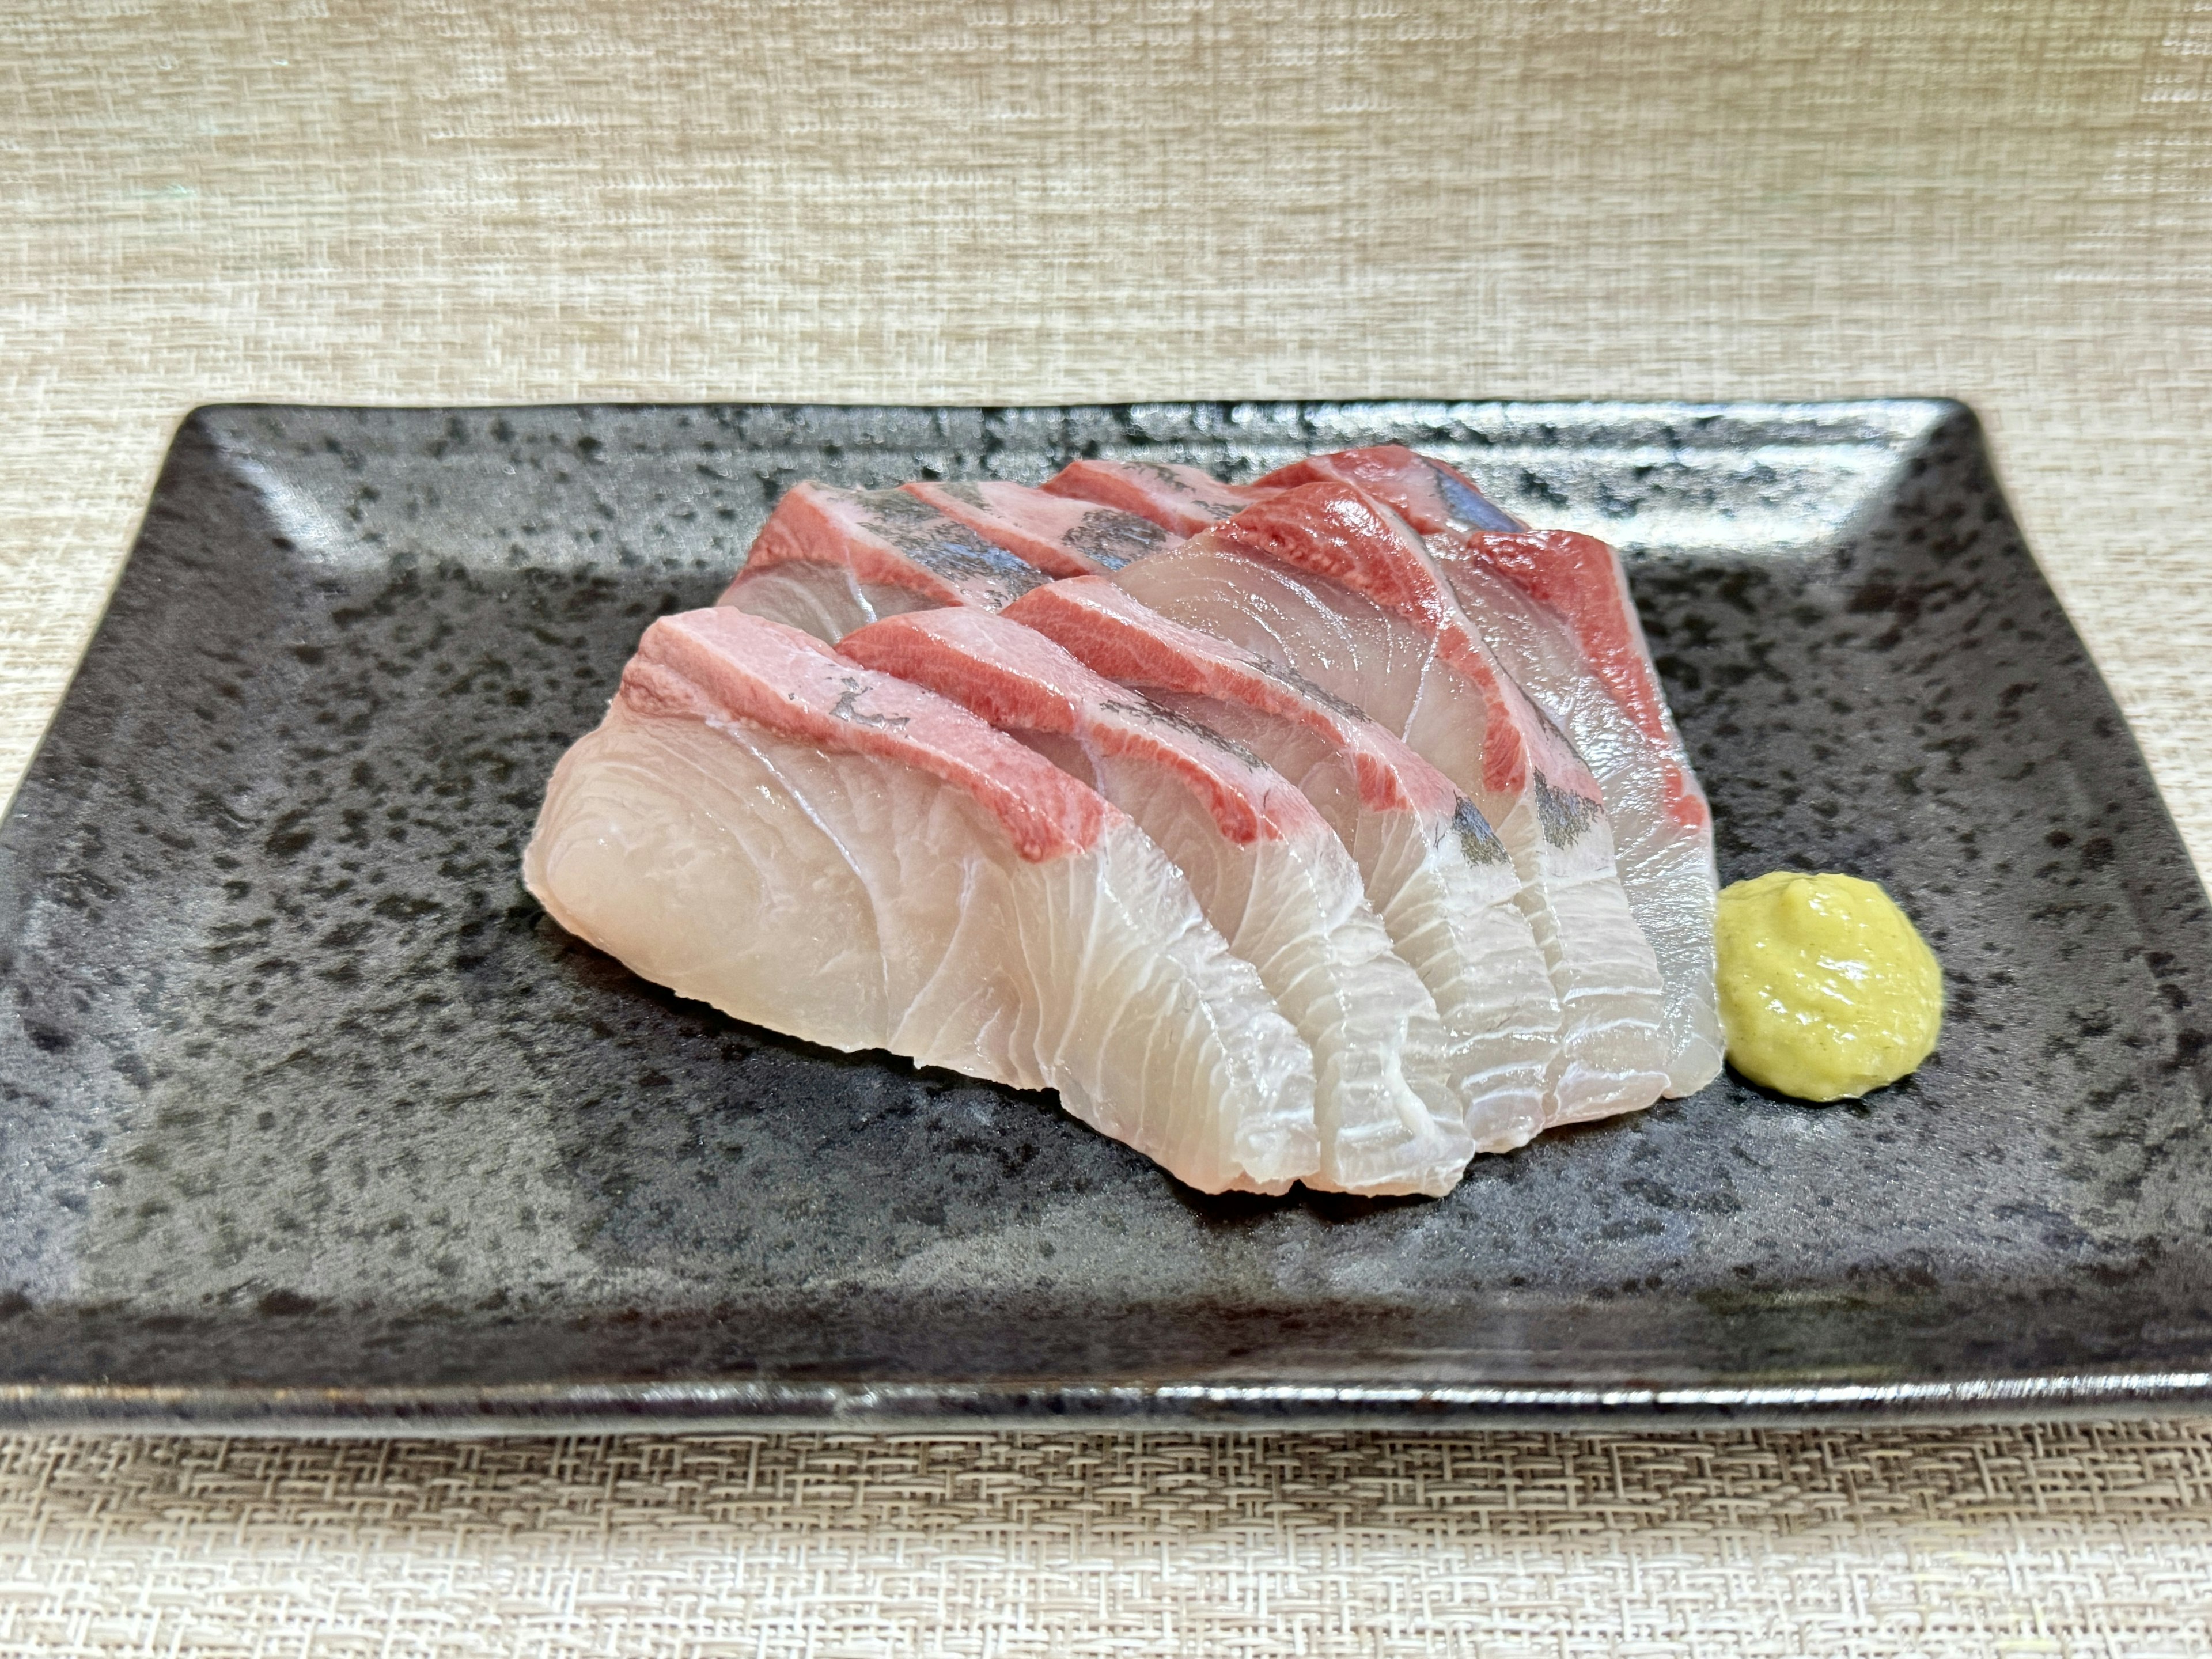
(1438, 877)
(1555, 607)
(1182, 498)
(805, 843)
(1323, 580)
(1266, 869)
(829, 561)
(1059, 537)
(1427, 492)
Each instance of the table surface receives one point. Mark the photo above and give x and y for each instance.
(429, 203)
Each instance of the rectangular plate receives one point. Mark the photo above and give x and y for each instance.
(309, 1117)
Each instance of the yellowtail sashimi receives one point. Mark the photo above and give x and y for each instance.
(1438, 878)
(814, 847)
(1266, 870)
(1059, 537)
(1325, 582)
(829, 561)
(1555, 607)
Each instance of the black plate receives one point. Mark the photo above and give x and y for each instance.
(307, 1114)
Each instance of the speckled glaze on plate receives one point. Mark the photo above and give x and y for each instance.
(310, 1119)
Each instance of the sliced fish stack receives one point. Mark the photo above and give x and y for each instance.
(1060, 536)
(1555, 607)
(1181, 499)
(1435, 872)
(829, 561)
(1327, 829)
(1331, 585)
(1264, 866)
(769, 827)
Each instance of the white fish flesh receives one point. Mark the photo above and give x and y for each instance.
(1438, 878)
(829, 561)
(1267, 871)
(1325, 582)
(769, 827)
(1555, 607)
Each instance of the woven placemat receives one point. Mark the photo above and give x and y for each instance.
(421, 202)
(2082, 1541)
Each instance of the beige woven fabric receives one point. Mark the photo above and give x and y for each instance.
(2074, 1543)
(431, 201)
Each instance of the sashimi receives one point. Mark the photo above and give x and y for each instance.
(829, 561)
(1182, 498)
(769, 827)
(1555, 607)
(1267, 871)
(1325, 582)
(1428, 493)
(1059, 535)
(1438, 878)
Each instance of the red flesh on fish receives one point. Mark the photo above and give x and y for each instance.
(1182, 498)
(1017, 679)
(1128, 640)
(1577, 576)
(776, 676)
(1334, 530)
(1060, 536)
(887, 538)
(1267, 870)
(1427, 493)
